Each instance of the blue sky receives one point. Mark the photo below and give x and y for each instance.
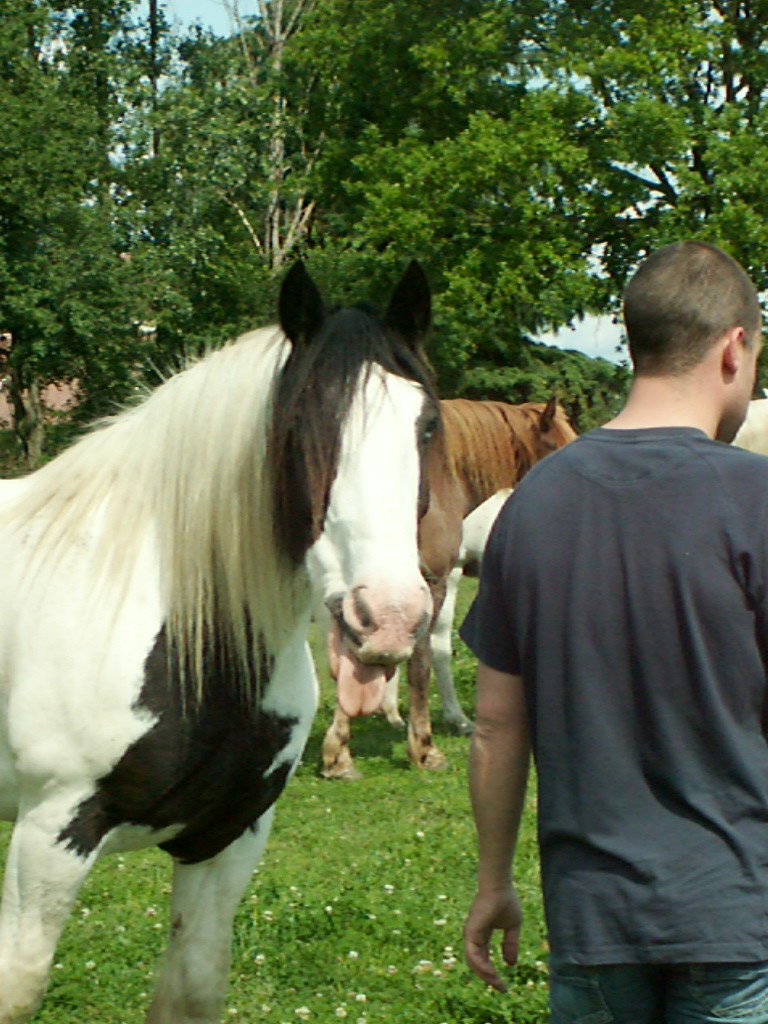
(210, 13)
(596, 336)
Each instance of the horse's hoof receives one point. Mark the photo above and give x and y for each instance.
(434, 761)
(396, 723)
(344, 774)
(463, 728)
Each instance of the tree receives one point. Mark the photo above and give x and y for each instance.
(676, 127)
(60, 287)
(445, 148)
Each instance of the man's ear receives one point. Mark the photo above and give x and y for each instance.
(732, 352)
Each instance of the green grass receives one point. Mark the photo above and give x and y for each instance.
(354, 914)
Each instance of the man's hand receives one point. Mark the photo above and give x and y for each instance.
(497, 910)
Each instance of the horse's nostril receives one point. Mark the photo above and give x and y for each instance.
(362, 611)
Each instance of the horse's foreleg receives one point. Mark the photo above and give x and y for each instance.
(192, 985)
(337, 757)
(421, 750)
(442, 650)
(42, 878)
(390, 706)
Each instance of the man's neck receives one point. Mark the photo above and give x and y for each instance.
(668, 402)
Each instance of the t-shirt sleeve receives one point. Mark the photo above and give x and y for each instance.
(487, 629)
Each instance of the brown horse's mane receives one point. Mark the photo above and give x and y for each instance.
(491, 445)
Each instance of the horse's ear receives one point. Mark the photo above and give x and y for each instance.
(548, 415)
(300, 305)
(410, 308)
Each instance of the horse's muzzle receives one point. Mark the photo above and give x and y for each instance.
(382, 630)
(367, 640)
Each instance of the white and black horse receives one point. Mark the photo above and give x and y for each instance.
(156, 687)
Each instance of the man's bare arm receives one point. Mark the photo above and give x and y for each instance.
(498, 773)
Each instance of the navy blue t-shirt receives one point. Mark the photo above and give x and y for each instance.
(625, 581)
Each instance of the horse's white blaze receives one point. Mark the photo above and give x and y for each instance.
(366, 560)
(369, 542)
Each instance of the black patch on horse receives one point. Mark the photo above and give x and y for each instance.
(203, 767)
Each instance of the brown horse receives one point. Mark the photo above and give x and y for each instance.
(484, 447)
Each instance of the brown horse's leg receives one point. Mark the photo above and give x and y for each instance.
(421, 750)
(337, 757)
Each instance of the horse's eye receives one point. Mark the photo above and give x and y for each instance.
(429, 429)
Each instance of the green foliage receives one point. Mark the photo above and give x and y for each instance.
(529, 154)
(591, 391)
(675, 136)
(62, 290)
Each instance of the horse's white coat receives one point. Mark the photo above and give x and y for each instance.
(753, 433)
(85, 592)
(474, 536)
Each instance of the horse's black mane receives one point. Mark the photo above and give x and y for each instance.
(311, 403)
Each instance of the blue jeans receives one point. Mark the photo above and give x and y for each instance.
(659, 994)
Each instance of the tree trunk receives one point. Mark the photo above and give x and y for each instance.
(287, 217)
(28, 419)
(154, 70)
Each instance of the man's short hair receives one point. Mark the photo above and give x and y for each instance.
(680, 301)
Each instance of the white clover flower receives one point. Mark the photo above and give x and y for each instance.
(419, 835)
(353, 955)
(423, 967)
(391, 969)
(303, 1012)
(259, 958)
(441, 922)
(389, 889)
(341, 1011)
(361, 997)
(90, 964)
